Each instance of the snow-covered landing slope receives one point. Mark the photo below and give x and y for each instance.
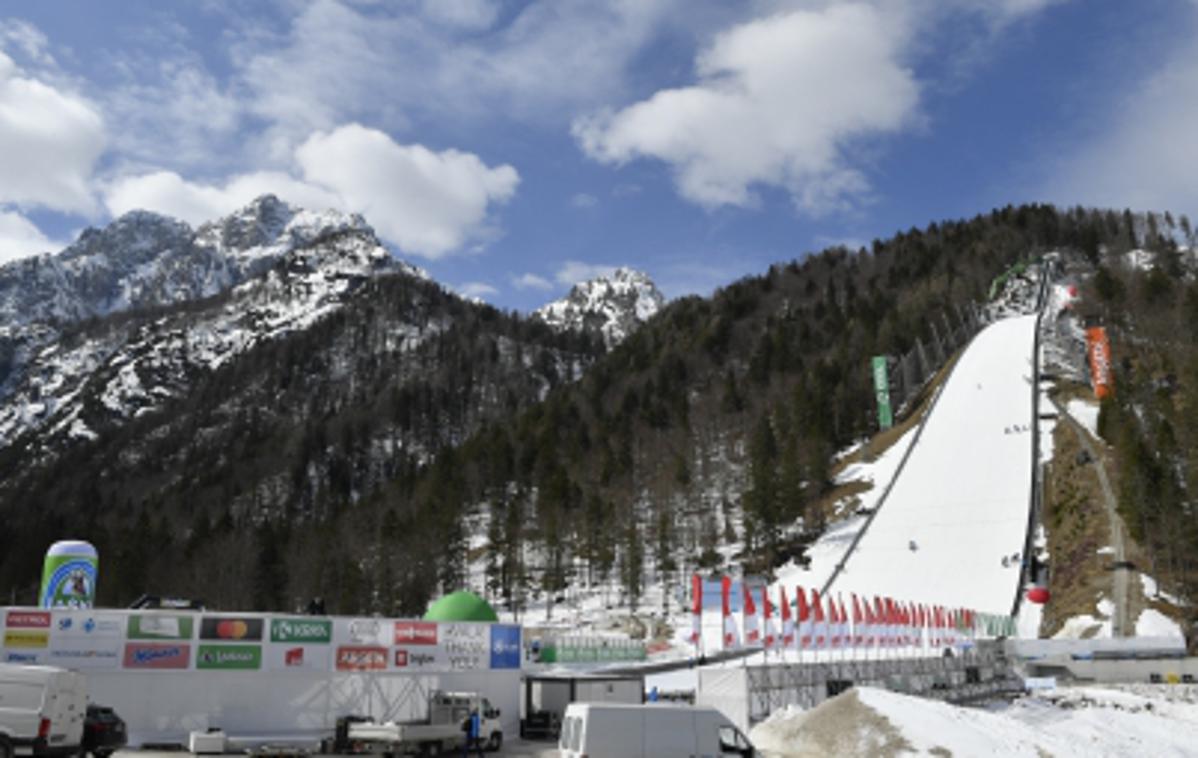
(962, 500)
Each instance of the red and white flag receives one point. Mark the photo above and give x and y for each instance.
(696, 609)
(846, 632)
(806, 622)
(833, 624)
(748, 618)
(730, 640)
(871, 625)
(858, 623)
(821, 626)
(769, 633)
(788, 625)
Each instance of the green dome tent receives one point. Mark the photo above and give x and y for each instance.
(461, 606)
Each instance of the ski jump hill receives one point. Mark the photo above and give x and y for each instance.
(952, 529)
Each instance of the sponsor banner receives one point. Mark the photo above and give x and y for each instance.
(86, 657)
(1098, 347)
(505, 646)
(157, 655)
(298, 657)
(306, 630)
(234, 628)
(226, 657)
(415, 633)
(84, 625)
(24, 657)
(882, 391)
(421, 658)
(27, 620)
(468, 646)
(361, 658)
(159, 627)
(370, 632)
(24, 639)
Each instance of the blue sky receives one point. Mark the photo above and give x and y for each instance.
(511, 148)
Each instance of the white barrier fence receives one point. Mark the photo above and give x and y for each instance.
(168, 673)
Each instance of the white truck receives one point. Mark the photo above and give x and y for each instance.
(41, 711)
(615, 730)
(440, 732)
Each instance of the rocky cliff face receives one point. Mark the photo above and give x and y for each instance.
(614, 306)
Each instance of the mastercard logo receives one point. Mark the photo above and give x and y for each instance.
(232, 629)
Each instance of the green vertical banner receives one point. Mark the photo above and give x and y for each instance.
(882, 390)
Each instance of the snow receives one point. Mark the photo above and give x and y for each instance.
(1089, 721)
(963, 495)
(1085, 626)
(614, 305)
(1085, 412)
(1140, 260)
(1153, 591)
(827, 551)
(1153, 623)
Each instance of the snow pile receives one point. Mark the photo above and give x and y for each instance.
(1085, 412)
(1075, 722)
(1084, 626)
(613, 306)
(1153, 623)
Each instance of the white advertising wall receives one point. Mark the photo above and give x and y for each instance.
(259, 676)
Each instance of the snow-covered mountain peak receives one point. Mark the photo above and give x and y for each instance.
(613, 305)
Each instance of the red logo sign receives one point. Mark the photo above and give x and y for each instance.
(415, 633)
(156, 655)
(28, 620)
(294, 657)
(354, 658)
(401, 659)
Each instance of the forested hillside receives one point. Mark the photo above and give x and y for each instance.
(330, 463)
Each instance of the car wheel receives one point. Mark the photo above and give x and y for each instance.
(495, 742)
(5, 748)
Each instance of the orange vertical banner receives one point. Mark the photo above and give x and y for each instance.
(1098, 348)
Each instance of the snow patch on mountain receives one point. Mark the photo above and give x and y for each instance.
(614, 306)
(266, 270)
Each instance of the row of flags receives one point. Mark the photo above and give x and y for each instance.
(828, 623)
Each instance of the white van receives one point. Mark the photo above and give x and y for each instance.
(613, 730)
(41, 710)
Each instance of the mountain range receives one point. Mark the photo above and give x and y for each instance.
(273, 407)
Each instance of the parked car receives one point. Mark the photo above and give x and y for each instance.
(103, 732)
(41, 710)
(611, 730)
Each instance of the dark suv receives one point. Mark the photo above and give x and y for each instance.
(103, 732)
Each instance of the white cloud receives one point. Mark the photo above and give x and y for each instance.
(336, 62)
(1147, 158)
(574, 272)
(427, 203)
(477, 290)
(19, 238)
(50, 141)
(172, 112)
(473, 15)
(28, 38)
(584, 200)
(531, 282)
(778, 101)
(168, 193)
